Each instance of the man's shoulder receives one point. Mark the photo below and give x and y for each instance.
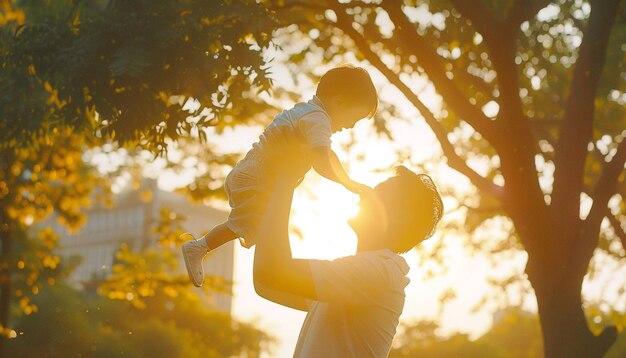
(384, 255)
(383, 263)
(361, 279)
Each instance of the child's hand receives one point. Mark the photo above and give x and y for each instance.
(359, 188)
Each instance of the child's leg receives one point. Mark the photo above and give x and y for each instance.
(218, 236)
(195, 250)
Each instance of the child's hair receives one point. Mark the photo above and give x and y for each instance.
(413, 207)
(353, 84)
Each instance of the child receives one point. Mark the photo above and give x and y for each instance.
(344, 95)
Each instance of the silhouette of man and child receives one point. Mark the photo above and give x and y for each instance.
(353, 303)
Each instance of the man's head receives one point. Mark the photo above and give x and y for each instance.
(401, 212)
(348, 95)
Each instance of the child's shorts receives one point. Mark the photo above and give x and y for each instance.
(247, 191)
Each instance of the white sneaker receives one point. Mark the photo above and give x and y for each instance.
(193, 253)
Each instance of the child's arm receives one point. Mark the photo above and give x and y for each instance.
(326, 164)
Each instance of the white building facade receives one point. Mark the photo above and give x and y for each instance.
(131, 221)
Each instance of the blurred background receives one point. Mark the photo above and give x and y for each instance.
(119, 121)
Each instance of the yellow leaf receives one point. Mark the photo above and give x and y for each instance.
(170, 291)
(146, 196)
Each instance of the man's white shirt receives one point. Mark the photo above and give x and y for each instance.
(360, 300)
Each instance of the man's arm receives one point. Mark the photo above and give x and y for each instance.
(274, 267)
(327, 164)
(282, 298)
(288, 281)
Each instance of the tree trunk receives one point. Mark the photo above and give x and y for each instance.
(565, 330)
(5, 281)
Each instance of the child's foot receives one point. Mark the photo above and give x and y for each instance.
(193, 253)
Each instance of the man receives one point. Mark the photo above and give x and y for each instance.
(353, 303)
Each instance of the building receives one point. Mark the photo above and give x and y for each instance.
(131, 222)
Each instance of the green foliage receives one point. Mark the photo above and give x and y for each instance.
(98, 327)
(514, 334)
(420, 340)
(124, 68)
(48, 177)
(517, 331)
(72, 331)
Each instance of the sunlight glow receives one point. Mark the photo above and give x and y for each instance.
(337, 204)
(322, 210)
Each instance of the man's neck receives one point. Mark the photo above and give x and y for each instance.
(367, 245)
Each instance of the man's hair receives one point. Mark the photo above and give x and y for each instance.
(351, 83)
(412, 207)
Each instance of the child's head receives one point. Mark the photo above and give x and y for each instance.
(403, 212)
(348, 95)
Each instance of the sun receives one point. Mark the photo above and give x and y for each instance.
(321, 210)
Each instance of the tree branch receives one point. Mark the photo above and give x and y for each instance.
(576, 130)
(621, 189)
(473, 80)
(289, 5)
(607, 183)
(517, 155)
(524, 10)
(454, 160)
(460, 73)
(617, 227)
(480, 16)
(605, 188)
(500, 40)
(434, 67)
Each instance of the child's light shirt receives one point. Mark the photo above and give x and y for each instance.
(360, 299)
(308, 121)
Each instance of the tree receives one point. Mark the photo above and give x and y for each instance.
(542, 98)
